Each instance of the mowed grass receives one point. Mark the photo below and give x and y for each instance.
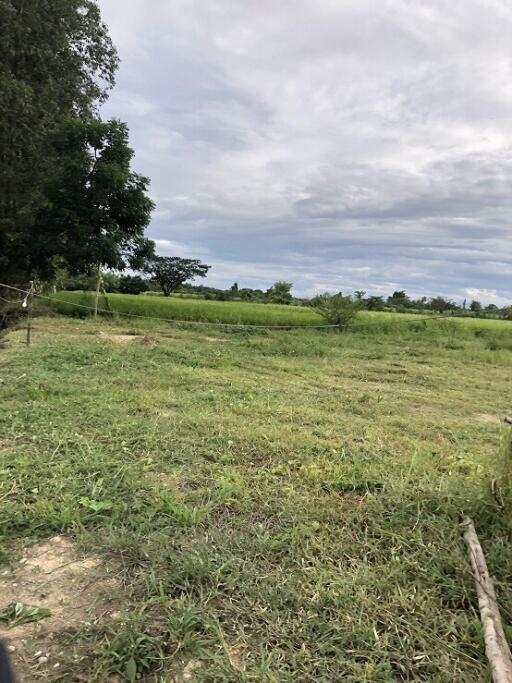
(199, 310)
(282, 506)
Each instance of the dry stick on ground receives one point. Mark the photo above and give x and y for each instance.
(496, 646)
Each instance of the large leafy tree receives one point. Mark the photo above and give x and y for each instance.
(170, 272)
(56, 61)
(95, 207)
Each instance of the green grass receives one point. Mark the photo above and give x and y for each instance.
(282, 506)
(177, 308)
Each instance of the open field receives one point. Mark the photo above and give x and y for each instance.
(177, 308)
(253, 506)
(237, 312)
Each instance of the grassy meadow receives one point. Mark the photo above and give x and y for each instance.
(188, 309)
(274, 506)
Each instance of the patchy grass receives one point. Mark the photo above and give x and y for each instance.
(282, 507)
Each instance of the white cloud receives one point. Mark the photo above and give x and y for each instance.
(336, 141)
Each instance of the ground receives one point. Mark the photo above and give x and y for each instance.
(252, 506)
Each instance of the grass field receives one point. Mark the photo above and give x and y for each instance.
(254, 506)
(177, 308)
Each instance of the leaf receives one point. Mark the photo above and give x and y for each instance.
(131, 669)
(18, 613)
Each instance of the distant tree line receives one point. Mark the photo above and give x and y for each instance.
(173, 275)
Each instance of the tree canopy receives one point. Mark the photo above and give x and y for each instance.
(280, 292)
(56, 61)
(95, 208)
(170, 272)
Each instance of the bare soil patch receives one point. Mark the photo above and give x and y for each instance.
(487, 418)
(216, 339)
(143, 340)
(168, 482)
(75, 589)
(168, 412)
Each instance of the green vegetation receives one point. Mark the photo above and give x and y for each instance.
(176, 308)
(180, 307)
(281, 506)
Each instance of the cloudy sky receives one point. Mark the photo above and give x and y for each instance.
(337, 144)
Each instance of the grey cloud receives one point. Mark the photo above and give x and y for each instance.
(339, 144)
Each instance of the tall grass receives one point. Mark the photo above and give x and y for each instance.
(233, 312)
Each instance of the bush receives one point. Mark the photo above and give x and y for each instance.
(132, 284)
(336, 309)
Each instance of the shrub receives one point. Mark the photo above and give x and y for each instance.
(336, 309)
(132, 284)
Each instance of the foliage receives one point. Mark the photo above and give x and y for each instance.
(18, 613)
(374, 303)
(96, 208)
(475, 306)
(54, 63)
(337, 309)
(440, 304)
(171, 272)
(280, 292)
(132, 284)
(63, 280)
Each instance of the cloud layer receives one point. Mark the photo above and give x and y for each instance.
(339, 144)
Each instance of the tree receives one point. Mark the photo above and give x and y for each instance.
(337, 309)
(170, 272)
(360, 294)
(475, 306)
(132, 284)
(96, 209)
(440, 304)
(374, 303)
(280, 292)
(56, 61)
(399, 298)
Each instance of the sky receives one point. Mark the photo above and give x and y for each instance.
(336, 144)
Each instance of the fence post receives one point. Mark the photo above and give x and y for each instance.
(30, 298)
(97, 296)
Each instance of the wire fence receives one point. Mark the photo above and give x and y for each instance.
(417, 319)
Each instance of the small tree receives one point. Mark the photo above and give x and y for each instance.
(374, 303)
(440, 304)
(280, 292)
(475, 306)
(399, 298)
(170, 272)
(337, 309)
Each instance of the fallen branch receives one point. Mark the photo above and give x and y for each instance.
(496, 646)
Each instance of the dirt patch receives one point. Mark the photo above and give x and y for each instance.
(487, 418)
(75, 589)
(168, 482)
(143, 340)
(215, 339)
(168, 412)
